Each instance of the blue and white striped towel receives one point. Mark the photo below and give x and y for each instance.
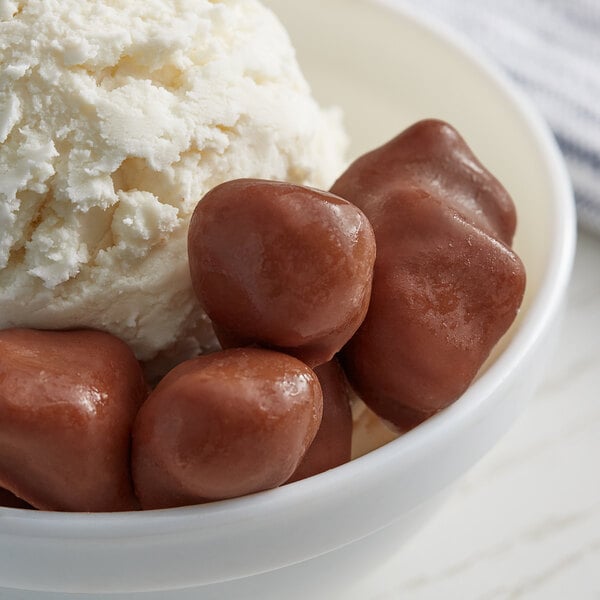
(552, 49)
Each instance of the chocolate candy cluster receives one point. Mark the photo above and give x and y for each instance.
(403, 274)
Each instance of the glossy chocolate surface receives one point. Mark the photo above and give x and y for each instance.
(332, 445)
(446, 284)
(224, 425)
(67, 404)
(283, 266)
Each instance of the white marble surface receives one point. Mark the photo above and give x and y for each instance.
(525, 522)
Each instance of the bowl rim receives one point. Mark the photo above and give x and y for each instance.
(543, 310)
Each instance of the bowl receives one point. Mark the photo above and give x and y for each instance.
(386, 67)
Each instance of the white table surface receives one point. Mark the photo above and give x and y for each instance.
(524, 523)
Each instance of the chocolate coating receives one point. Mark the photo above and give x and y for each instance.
(446, 285)
(283, 266)
(224, 425)
(332, 445)
(9, 500)
(67, 403)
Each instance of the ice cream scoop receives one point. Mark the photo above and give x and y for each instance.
(115, 119)
(224, 425)
(67, 404)
(281, 265)
(332, 445)
(446, 284)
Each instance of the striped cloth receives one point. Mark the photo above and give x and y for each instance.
(552, 49)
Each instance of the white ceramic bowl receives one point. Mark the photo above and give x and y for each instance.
(315, 538)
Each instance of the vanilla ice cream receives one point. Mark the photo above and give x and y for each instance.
(116, 117)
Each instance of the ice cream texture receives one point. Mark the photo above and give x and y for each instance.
(116, 117)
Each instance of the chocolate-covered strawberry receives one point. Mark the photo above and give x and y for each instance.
(224, 425)
(284, 266)
(446, 283)
(67, 403)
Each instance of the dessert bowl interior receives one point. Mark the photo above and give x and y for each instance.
(386, 68)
